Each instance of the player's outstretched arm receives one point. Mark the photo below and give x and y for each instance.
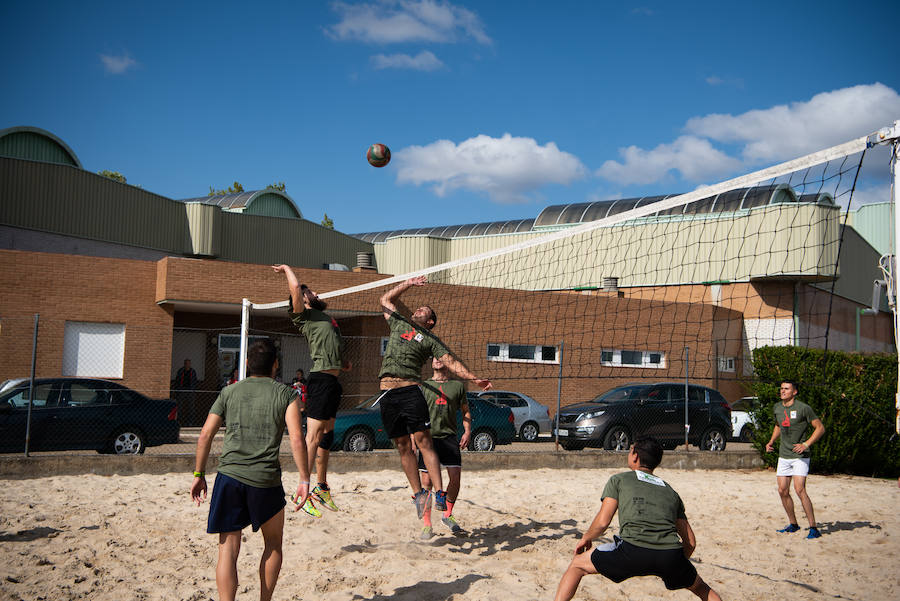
(293, 286)
(688, 542)
(390, 298)
(462, 372)
(298, 450)
(204, 444)
(601, 522)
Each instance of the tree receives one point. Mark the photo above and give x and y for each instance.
(278, 186)
(234, 189)
(327, 222)
(113, 175)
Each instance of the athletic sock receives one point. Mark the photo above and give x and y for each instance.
(449, 508)
(322, 486)
(426, 517)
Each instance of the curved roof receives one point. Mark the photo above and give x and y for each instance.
(583, 212)
(36, 144)
(733, 200)
(242, 201)
(490, 228)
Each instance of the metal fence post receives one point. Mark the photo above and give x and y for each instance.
(31, 383)
(687, 425)
(558, 395)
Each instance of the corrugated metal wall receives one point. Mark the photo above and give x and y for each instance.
(798, 241)
(273, 205)
(70, 201)
(874, 223)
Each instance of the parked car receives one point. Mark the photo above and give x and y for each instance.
(742, 425)
(80, 413)
(360, 429)
(531, 418)
(613, 419)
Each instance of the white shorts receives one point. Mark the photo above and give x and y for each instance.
(793, 467)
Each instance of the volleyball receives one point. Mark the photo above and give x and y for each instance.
(378, 155)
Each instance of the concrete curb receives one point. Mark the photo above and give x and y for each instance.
(114, 465)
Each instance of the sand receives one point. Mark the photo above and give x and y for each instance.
(139, 537)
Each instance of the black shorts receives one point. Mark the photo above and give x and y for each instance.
(621, 560)
(235, 505)
(404, 411)
(447, 450)
(323, 395)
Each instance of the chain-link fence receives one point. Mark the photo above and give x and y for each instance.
(104, 387)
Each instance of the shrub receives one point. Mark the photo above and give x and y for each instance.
(853, 395)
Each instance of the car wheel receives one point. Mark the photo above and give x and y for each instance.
(128, 442)
(359, 441)
(617, 439)
(713, 440)
(746, 434)
(572, 446)
(529, 432)
(482, 442)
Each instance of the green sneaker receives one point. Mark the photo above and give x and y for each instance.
(323, 495)
(427, 533)
(308, 507)
(455, 528)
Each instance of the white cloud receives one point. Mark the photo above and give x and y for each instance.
(396, 21)
(694, 158)
(869, 194)
(508, 169)
(117, 64)
(759, 137)
(424, 61)
(788, 131)
(714, 80)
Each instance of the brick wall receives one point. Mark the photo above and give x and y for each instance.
(77, 288)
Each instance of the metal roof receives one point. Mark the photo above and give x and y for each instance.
(467, 230)
(36, 144)
(583, 212)
(241, 200)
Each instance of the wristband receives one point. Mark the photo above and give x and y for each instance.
(199, 474)
(304, 482)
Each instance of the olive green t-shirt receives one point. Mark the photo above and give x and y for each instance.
(648, 508)
(324, 338)
(253, 411)
(408, 348)
(444, 400)
(793, 421)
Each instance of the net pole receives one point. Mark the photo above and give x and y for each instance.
(245, 329)
(895, 189)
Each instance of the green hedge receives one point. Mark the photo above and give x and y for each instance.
(852, 394)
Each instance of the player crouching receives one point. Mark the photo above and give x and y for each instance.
(655, 536)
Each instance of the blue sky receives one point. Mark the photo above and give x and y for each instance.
(493, 110)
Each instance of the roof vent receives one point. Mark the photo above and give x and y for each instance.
(611, 284)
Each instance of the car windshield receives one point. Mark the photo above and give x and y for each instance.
(622, 393)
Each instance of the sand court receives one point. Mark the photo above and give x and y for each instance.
(139, 537)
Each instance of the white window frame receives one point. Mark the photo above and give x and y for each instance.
(383, 347)
(727, 364)
(645, 359)
(538, 352)
(94, 349)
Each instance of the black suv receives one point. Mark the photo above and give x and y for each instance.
(615, 418)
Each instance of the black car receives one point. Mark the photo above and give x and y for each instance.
(81, 413)
(615, 418)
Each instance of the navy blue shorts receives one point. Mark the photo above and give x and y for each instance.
(235, 505)
(404, 411)
(447, 450)
(621, 560)
(323, 395)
